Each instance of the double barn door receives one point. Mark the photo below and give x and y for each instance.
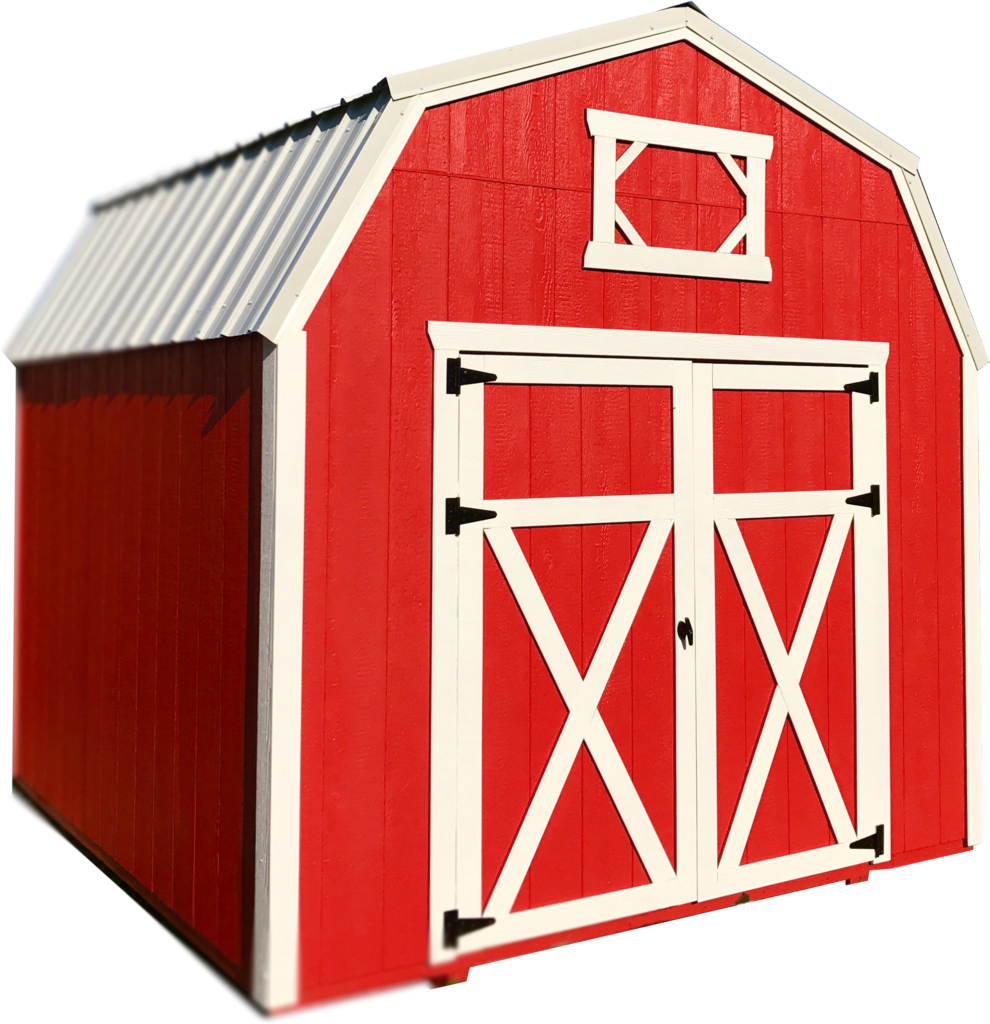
(660, 634)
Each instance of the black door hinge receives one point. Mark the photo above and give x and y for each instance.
(460, 376)
(870, 386)
(685, 633)
(870, 500)
(458, 515)
(454, 926)
(874, 843)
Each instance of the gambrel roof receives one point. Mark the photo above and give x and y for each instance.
(247, 242)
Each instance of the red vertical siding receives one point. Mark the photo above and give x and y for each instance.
(485, 218)
(135, 622)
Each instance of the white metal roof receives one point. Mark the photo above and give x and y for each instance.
(249, 241)
(203, 252)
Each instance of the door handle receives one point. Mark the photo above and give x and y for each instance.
(685, 633)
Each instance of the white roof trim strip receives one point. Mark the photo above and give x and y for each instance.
(645, 31)
(206, 254)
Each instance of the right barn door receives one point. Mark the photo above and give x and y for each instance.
(791, 632)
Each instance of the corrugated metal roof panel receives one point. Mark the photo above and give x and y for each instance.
(201, 253)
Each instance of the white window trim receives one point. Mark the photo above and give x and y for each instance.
(608, 128)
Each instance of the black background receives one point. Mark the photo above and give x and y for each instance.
(96, 99)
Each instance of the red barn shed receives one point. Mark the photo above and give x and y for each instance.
(531, 500)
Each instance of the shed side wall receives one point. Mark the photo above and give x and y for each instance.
(136, 631)
(485, 218)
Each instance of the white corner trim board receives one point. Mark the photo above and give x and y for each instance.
(971, 569)
(275, 984)
(15, 523)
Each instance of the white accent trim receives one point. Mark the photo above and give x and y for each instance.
(735, 171)
(787, 868)
(788, 701)
(623, 223)
(778, 504)
(939, 262)
(276, 985)
(757, 377)
(360, 188)
(971, 570)
(871, 610)
(604, 253)
(699, 138)
(582, 511)
(473, 75)
(706, 742)
(263, 753)
(443, 658)
(15, 578)
(593, 341)
(734, 237)
(679, 262)
(512, 369)
(624, 161)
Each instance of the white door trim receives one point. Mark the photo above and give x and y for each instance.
(523, 339)
(565, 355)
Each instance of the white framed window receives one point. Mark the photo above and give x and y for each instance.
(605, 253)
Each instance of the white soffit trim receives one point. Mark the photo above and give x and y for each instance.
(460, 79)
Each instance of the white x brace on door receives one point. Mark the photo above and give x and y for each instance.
(463, 918)
(860, 511)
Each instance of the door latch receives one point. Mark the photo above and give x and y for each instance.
(685, 633)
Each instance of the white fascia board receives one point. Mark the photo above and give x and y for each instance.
(310, 276)
(529, 56)
(930, 237)
(646, 30)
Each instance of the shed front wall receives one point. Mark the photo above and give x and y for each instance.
(485, 218)
(137, 621)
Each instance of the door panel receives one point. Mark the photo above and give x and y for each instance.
(791, 695)
(580, 571)
(790, 816)
(781, 440)
(546, 441)
(575, 759)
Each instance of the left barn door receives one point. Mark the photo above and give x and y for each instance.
(563, 705)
